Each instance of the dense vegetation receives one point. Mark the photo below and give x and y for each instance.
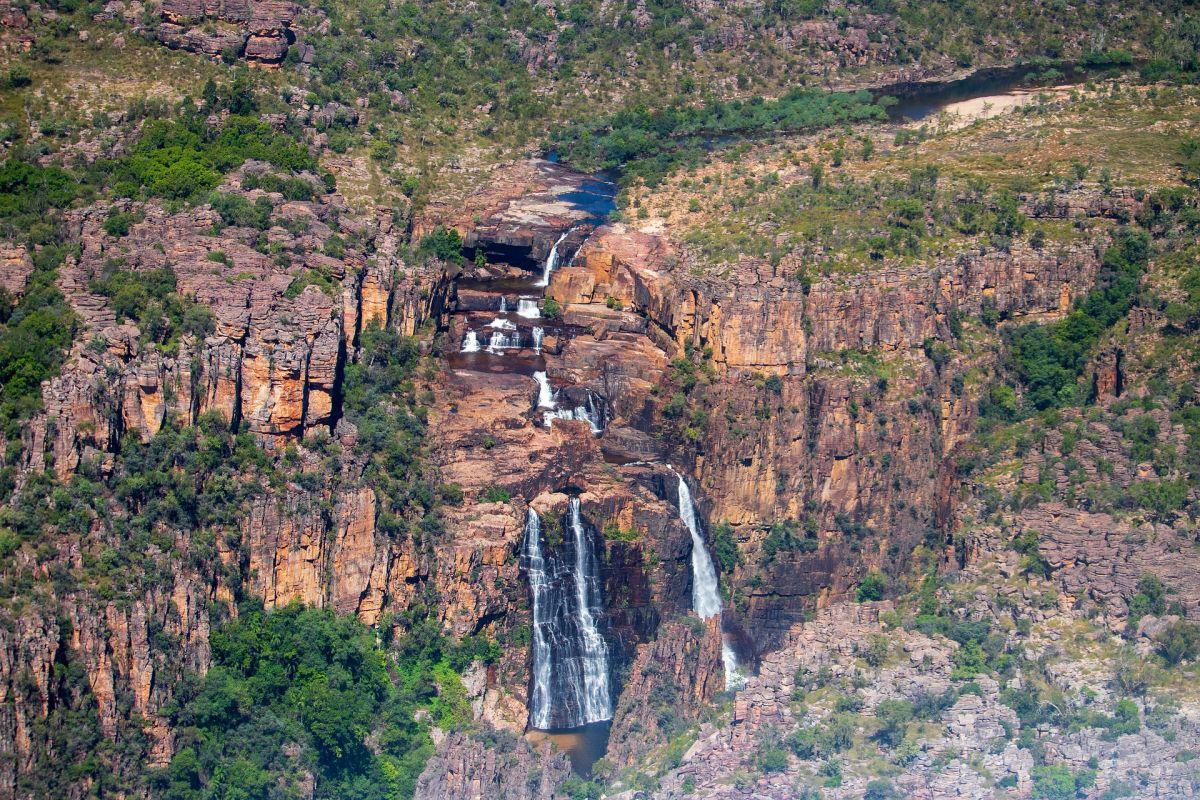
(301, 692)
(1049, 359)
(648, 144)
(36, 329)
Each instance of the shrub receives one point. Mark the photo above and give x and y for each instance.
(118, 223)
(881, 790)
(1149, 599)
(894, 716)
(802, 742)
(772, 758)
(786, 536)
(872, 587)
(236, 210)
(1179, 642)
(724, 547)
(1057, 782)
(443, 243)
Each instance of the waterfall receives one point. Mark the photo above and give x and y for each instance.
(538, 334)
(584, 413)
(539, 589)
(706, 591)
(545, 393)
(597, 700)
(500, 323)
(528, 307)
(470, 343)
(592, 413)
(503, 341)
(569, 682)
(551, 261)
(503, 304)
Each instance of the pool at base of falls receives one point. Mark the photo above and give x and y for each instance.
(584, 746)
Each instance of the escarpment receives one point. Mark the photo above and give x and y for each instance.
(823, 406)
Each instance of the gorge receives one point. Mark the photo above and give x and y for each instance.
(599, 401)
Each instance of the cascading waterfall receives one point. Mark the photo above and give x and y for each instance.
(545, 393)
(500, 323)
(706, 591)
(570, 681)
(539, 589)
(539, 333)
(500, 341)
(527, 307)
(597, 699)
(551, 261)
(589, 413)
(470, 343)
(503, 304)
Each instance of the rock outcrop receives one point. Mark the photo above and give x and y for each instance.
(259, 31)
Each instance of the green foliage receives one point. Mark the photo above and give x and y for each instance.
(150, 300)
(980, 649)
(1048, 359)
(1032, 561)
(872, 587)
(787, 536)
(649, 144)
(551, 308)
(33, 339)
(118, 223)
(380, 397)
(882, 790)
(495, 494)
(894, 716)
(724, 547)
(28, 192)
(179, 159)
(578, 788)
(302, 688)
(771, 758)
(1179, 642)
(1151, 598)
(236, 210)
(443, 243)
(1058, 782)
(319, 276)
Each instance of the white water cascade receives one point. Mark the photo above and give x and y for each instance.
(570, 680)
(545, 393)
(597, 699)
(470, 343)
(551, 262)
(500, 341)
(503, 304)
(539, 333)
(539, 589)
(706, 591)
(527, 307)
(590, 413)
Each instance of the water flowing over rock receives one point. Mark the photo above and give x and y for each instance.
(569, 684)
(470, 343)
(551, 261)
(545, 393)
(706, 591)
(528, 306)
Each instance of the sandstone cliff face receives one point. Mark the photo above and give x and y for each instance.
(260, 31)
(271, 364)
(504, 768)
(858, 427)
